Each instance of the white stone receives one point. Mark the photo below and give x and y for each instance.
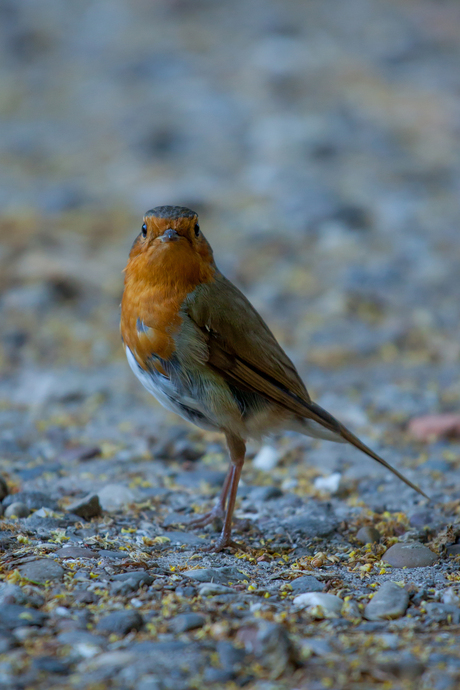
(115, 496)
(266, 459)
(319, 605)
(329, 483)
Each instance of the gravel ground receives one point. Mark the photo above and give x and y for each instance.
(319, 142)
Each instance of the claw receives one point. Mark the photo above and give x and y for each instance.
(207, 518)
(223, 543)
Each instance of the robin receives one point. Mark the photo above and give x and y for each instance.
(197, 344)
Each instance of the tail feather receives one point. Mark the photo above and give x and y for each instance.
(347, 435)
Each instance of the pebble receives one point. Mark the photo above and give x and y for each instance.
(329, 483)
(124, 583)
(265, 493)
(266, 459)
(50, 664)
(306, 583)
(220, 575)
(75, 552)
(15, 616)
(120, 622)
(368, 535)
(319, 605)
(32, 499)
(17, 509)
(119, 555)
(271, 645)
(115, 496)
(213, 588)
(318, 522)
(442, 613)
(87, 507)
(42, 570)
(409, 555)
(390, 601)
(187, 621)
(453, 550)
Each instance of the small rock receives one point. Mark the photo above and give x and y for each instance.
(329, 483)
(306, 583)
(368, 535)
(271, 645)
(17, 509)
(424, 518)
(220, 575)
(15, 616)
(120, 555)
(350, 609)
(3, 489)
(217, 676)
(188, 592)
(435, 425)
(115, 496)
(33, 500)
(453, 550)
(187, 621)
(80, 453)
(407, 667)
(265, 493)
(120, 622)
(50, 664)
(210, 589)
(443, 613)
(319, 605)
(391, 601)
(42, 570)
(318, 522)
(266, 459)
(87, 507)
(229, 655)
(75, 552)
(409, 555)
(124, 583)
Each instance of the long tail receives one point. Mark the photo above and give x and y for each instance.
(323, 416)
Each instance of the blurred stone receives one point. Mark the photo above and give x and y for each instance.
(187, 621)
(120, 622)
(42, 570)
(306, 583)
(32, 499)
(319, 605)
(17, 509)
(266, 459)
(75, 552)
(433, 426)
(368, 535)
(409, 555)
(316, 522)
(390, 601)
(86, 508)
(115, 496)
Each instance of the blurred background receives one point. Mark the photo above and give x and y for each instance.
(318, 140)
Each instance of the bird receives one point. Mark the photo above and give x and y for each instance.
(201, 349)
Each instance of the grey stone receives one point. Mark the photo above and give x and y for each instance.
(306, 583)
(453, 550)
(87, 507)
(188, 592)
(75, 552)
(187, 621)
(13, 594)
(213, 588)
(187, 538)
(15, 616)
(117, 555)
(124, 583)
(229, 655)
(17, 509)
(115, 496)
(198, 477)
(390, 601)
(271, 645)
(312, 523)
(221, 576)
(32, 499)
(409, 555)
(42, 570)
(265, 493)
(50, 664)
(120, 622)
(368, 535)
(442, 613)
(217, 675)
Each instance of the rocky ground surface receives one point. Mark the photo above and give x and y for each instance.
(319, 142)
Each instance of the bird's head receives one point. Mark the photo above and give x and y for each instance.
(171, 240)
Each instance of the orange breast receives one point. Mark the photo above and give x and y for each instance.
(156, 285)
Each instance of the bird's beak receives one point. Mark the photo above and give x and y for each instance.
(169, 235)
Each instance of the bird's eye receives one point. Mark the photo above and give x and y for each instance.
(144, 230)
(197, 230)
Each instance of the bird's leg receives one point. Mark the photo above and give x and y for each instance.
(237, 449)
(219, 509)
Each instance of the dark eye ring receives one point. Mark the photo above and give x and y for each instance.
(197, 229)
(144, 230)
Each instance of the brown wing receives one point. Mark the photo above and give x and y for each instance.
(243, 350)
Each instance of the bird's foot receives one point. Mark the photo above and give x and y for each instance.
(202, 520)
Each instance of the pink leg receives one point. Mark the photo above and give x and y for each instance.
(237, 450)
(219, 509)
